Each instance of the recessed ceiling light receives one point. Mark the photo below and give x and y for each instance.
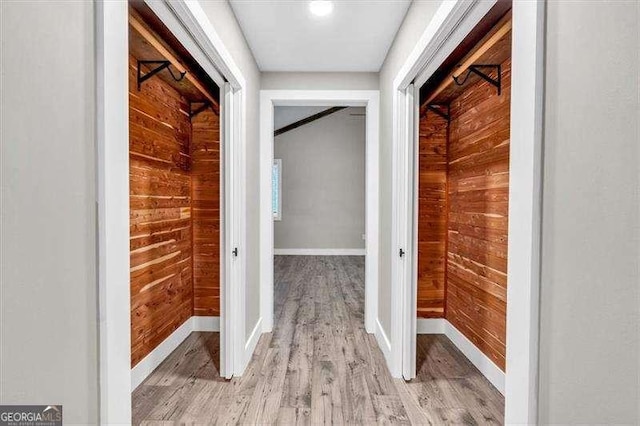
(321, 7)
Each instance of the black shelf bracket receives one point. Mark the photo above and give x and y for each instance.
(438, 110)
(160, 66)
(198, 110)
(476, 69)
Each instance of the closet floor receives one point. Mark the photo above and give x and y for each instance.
(318, 366)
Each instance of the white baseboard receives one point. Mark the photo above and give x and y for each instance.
(159, 354)
(430, 326)
(319, 252)
(491, 371)
(251, 343)
(383, 341)
(206, 323)
(149, 363)
(487, 367)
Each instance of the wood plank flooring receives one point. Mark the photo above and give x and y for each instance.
(319, 366)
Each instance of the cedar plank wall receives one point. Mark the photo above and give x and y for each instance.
(478, 174)
(432, 215)
(205, 198)
(164, 182)
(160, 213)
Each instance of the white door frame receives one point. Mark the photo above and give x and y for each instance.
(189, 23)
(450, 25)
(367, 98)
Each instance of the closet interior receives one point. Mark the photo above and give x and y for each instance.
(174, 178)
(463, 187)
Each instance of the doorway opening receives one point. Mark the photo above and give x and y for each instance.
(461, 205)
(467, 191)
(325, 287)
(170, 200)
(177, 204)
(319, 251)
(319, 217)
(354, 108)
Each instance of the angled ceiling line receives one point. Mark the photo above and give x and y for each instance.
(307, 120)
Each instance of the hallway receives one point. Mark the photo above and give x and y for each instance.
(318, 366)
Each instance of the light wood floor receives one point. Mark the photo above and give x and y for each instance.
(318, 366)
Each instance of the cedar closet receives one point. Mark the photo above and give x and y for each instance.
(463, 187)
(174, 170)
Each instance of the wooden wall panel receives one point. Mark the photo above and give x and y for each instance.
(432, 215)
(205, 153)
(160, 213)
(478, 197)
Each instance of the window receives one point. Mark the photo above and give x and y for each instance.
(276, 189)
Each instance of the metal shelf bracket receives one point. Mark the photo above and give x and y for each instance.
(476, 69)
(160, 66)
(438, 110)
(198, 110)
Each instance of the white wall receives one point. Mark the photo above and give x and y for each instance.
(319, 81)
(415, 22)
(589, 358)
(48, 299)
(323, 184)
(224, 21)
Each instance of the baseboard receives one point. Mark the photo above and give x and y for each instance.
(383, 341)
(488, 368)
(206, 323)
(319, 252)
(160, 353)
(251, 343)
(149, 363)
(430, 326)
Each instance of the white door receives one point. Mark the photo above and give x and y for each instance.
(403, 241)
(229, 230)
(408, 219)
